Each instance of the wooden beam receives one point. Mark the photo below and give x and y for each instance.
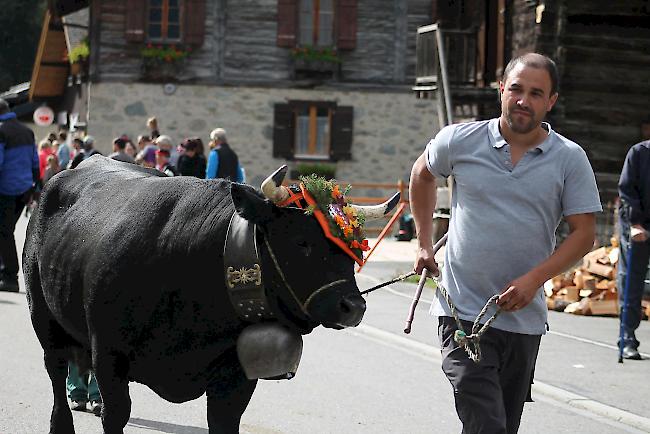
(39, 53)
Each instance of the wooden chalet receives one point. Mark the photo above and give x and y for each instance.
(602, 49)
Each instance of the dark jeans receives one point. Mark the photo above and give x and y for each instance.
(10, 209)
(636, 272)
(489, 395)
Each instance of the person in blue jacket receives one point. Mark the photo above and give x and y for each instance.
(19, 173)
(222, 160)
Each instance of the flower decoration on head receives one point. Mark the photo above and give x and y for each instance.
(345, 222)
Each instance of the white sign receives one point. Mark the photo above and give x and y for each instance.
(43, 116)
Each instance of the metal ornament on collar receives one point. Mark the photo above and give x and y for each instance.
(243, 271)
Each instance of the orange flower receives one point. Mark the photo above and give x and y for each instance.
(336, 193)
(339, 221)
(347, 231)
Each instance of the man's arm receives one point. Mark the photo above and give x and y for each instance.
(521, 291)
(422, 196)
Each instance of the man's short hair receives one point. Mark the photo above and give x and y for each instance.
(144, 137)
(535, 60)
(4, 106)
(218, 134)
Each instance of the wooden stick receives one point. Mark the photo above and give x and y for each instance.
(418, 292)
(414, 303)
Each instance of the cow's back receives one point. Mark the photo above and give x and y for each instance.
(133, 259)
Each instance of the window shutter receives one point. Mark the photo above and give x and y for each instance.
(287, 23)
(135, 21)
(194, 30)
(282, 131)
(346, 18)
(342, 120)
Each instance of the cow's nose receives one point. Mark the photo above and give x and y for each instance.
(352, 309)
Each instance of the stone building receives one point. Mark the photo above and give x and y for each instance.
(310, 81)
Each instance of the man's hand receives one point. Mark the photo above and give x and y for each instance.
(519, 293)
(425, 259)
(638, 233)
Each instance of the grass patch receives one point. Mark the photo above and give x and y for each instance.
(416, 279)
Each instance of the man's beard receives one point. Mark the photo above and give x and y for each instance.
(518, 127)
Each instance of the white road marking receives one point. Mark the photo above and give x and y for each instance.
(551, 332)
(578, 404)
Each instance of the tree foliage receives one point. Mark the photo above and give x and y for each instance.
(20, 30)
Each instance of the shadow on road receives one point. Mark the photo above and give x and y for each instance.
(165, 427)
(7, 302)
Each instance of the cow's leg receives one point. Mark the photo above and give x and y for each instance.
(55, 342)
(228, 395)
(111, 371)
(56, 363)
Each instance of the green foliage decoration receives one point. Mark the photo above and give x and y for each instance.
(344, 222)
(79, 52)
(307, 52)
(164, 53)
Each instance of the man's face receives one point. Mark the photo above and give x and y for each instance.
(526, 98)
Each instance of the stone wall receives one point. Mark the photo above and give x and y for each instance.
(390, 129)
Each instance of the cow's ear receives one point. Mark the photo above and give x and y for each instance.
(250, 204)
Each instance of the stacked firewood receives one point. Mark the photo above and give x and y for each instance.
(589, 288)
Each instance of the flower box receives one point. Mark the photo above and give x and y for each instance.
(159, 70)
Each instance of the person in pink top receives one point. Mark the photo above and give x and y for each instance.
(44, 151)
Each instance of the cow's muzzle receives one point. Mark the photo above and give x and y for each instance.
(336, 305)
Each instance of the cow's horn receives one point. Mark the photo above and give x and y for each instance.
(271, 187)
(373, 212)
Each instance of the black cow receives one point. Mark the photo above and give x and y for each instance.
(124, 269)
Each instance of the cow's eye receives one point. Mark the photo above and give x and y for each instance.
(305, 248)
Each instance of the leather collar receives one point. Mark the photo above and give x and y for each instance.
(243, 271)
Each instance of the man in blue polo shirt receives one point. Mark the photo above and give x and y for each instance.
(18, 173)
(514, 180)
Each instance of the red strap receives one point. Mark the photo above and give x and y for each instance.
(294, 198)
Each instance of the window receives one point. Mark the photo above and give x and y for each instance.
(317, 130)
(312, 134)
(164, 21)
(316, 23)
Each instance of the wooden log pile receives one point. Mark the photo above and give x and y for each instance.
(590, 288)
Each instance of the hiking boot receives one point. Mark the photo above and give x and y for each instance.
(96, 407)
(78, 405)
(8, 285)
(629, 352)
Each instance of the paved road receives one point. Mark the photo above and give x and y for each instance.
(372, 379)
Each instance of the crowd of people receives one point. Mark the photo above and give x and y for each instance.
(59, 151)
